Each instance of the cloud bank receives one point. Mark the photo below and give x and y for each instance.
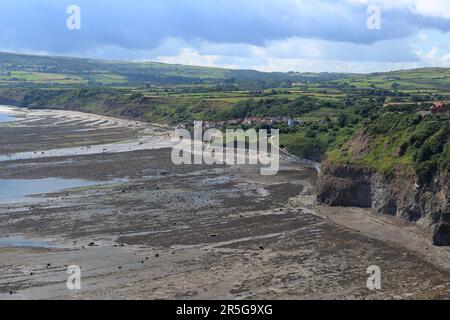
(300, 35)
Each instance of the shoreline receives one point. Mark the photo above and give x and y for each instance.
(193, 231)
(79, 115)
(148, 140)
(150, 136)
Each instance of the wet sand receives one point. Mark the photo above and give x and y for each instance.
(153, 230)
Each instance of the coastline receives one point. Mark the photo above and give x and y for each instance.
(197, 225)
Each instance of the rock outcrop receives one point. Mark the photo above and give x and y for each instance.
(398, 193)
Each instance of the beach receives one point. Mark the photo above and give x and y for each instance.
(140, 227)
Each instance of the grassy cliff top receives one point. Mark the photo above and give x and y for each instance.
(397, 139)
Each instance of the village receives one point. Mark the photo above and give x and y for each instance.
(250, 121)
(440, 107)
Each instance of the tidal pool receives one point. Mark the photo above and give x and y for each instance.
(19, 241)
(15, 189)
(5, 117)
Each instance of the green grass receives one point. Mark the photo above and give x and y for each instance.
(403, 140)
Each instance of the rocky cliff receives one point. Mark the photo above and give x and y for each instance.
(398, 193)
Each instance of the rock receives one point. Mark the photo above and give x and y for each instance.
(441, 235)
(398, 193)
(344, 186)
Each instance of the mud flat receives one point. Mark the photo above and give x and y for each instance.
(153, 230)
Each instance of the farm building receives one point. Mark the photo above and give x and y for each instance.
(440, 107)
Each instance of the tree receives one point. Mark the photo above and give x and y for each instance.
(342, 120)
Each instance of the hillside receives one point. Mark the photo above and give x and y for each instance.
(394, 139)
(406, 80)
(17, 69)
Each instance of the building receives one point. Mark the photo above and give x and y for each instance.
(274, 120)
(440, 107)
(181, 126)
(424, 113)
(294, 122)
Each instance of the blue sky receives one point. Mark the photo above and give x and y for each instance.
(281, 35)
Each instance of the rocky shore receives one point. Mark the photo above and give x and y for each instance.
(145, 228)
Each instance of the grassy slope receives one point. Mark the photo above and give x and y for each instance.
(398, 139)
(104, 72)
(414, 80)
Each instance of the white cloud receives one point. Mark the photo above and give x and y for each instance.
(436, 57)
(422, 37)
(433, 8)
(295, 54)
(429, 8)
(189, 56)
(313, 65)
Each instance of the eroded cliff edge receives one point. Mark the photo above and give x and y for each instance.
(351, 177)
(397, 194)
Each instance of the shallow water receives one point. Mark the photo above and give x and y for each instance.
(19, 241)
(6, 117)
(15, 189)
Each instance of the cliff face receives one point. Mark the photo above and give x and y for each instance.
(398, 193)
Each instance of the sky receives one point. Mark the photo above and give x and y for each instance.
(266, 35)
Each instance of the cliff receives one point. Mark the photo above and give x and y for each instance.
(398, 193)
(390, 174)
